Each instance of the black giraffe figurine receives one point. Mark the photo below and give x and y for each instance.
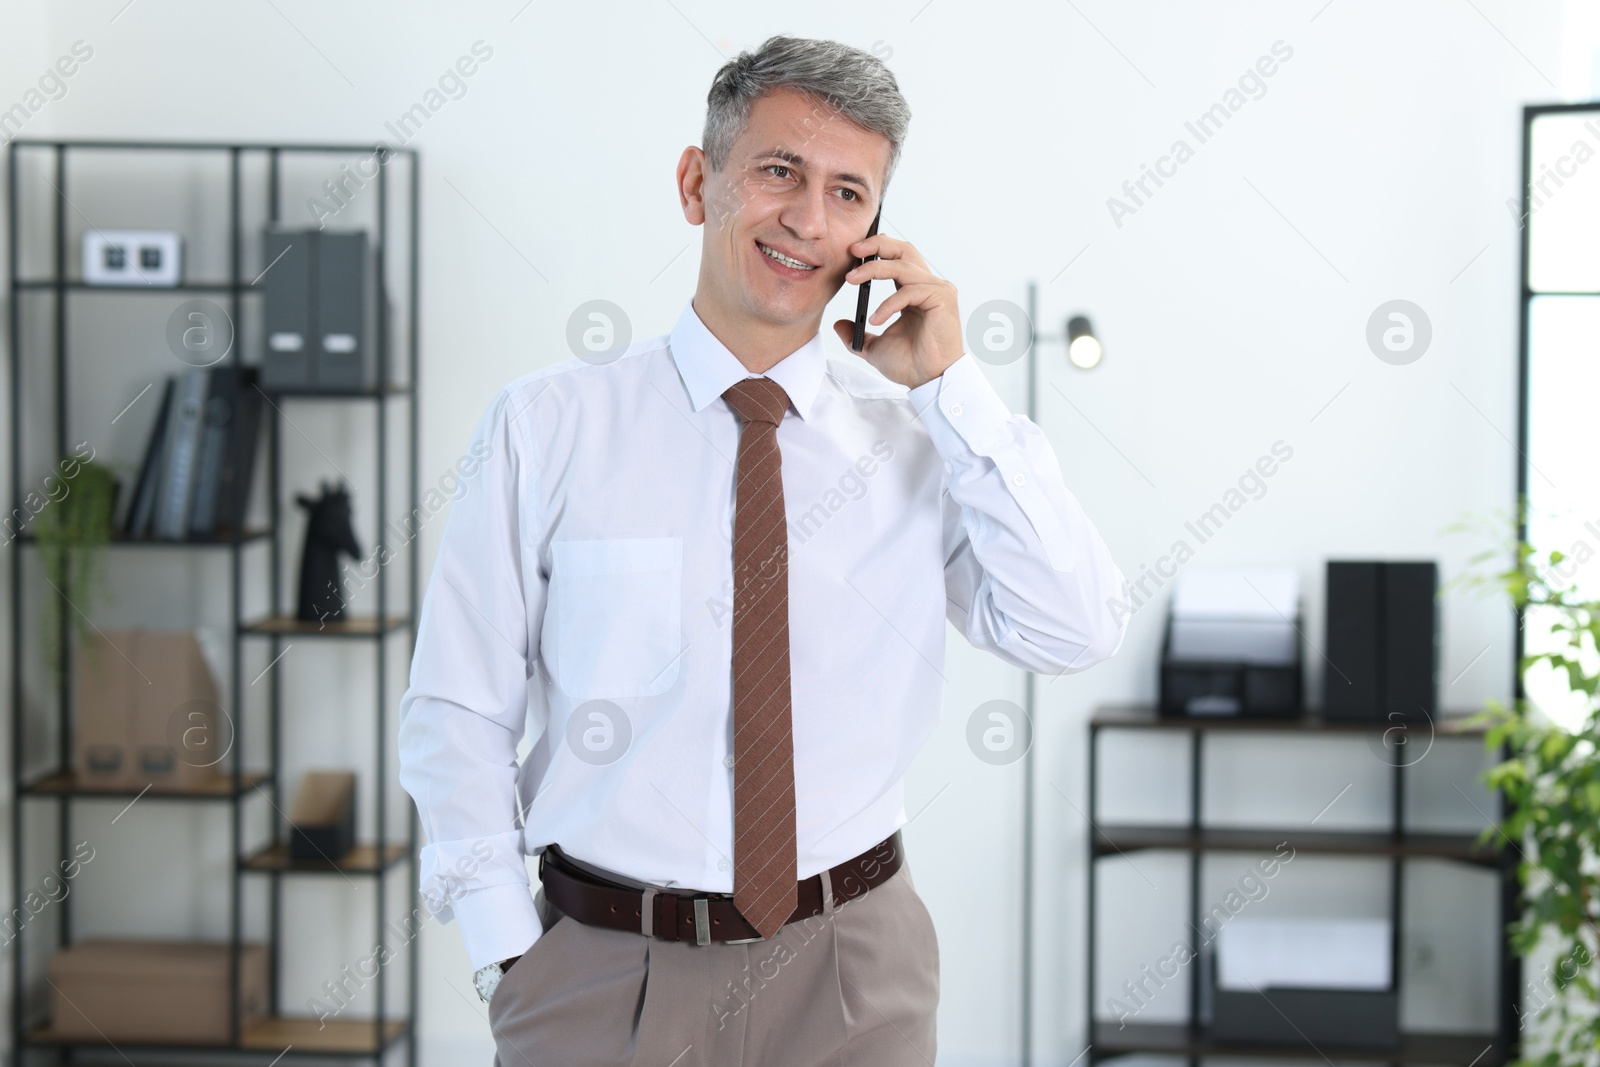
(328, 533)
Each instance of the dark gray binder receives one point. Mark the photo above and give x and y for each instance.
(232, 420)
(345, 312)
(1411, 639)
(143, 504)
(287, 358)
(182, 455)
(1352, 681)
(233, 499)
(1382, 644)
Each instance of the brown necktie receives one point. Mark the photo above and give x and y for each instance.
(764, 863)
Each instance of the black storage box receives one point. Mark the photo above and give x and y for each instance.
(1349, 1018)
(323, 818)
(1217, 685)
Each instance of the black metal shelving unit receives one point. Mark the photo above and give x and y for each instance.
(1396, 843)
(279, 1035)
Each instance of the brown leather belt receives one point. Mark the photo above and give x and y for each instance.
(700, 917)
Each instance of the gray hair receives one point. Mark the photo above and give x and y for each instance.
(854, 83)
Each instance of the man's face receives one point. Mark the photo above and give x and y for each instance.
(802, 181)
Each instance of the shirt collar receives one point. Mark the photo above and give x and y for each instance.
(709, 369)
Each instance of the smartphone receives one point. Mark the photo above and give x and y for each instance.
(860, 336)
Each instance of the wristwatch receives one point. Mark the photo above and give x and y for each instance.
(487, 978)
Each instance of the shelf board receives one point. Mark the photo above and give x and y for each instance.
(276, 1035)
(1448, 723)
(1112, 1039)
(287, 148)
(252, 534)
(1110, 840)
(399, 389)
(353, 626)
(362, 859)
(66, 783)
(79, 285)
(308, 1036)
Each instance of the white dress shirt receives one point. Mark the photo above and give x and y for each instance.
(583, 593)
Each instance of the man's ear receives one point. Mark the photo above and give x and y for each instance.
(691, 185)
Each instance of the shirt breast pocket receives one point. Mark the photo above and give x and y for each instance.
(618, 615)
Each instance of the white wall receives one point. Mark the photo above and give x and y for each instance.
(1232, 306)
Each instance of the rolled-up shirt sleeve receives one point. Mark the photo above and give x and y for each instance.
(1027, 575)
(465, 709)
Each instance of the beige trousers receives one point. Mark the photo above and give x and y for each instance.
(857, 986)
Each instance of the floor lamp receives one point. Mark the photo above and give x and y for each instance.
(1083, 350)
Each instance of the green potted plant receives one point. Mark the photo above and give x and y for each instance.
(1550, 779)
(73, 531)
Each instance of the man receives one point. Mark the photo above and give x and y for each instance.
(721, 566)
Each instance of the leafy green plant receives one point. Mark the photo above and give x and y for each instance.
(1550, 779)
(73, 531)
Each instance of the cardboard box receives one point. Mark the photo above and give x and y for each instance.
(322, 820)
(153, 991)
(146, 710)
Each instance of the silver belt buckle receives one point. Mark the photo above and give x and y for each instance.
(702, 925)
(702, 921)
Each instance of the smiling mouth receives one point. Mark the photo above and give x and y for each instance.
(787, 261)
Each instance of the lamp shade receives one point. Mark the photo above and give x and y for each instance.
(1083, 347)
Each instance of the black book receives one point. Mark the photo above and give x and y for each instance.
(233, 497)
(232, 420)
(142, 504)
(181, 458)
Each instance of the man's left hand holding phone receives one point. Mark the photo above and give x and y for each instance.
(927, 336)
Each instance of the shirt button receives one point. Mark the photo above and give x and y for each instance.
(724, 865)
(1017, 479)
(727, 761)
(955, 409)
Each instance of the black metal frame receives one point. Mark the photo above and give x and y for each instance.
(1525, 294)
(1108, 1040)
(386, 857)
